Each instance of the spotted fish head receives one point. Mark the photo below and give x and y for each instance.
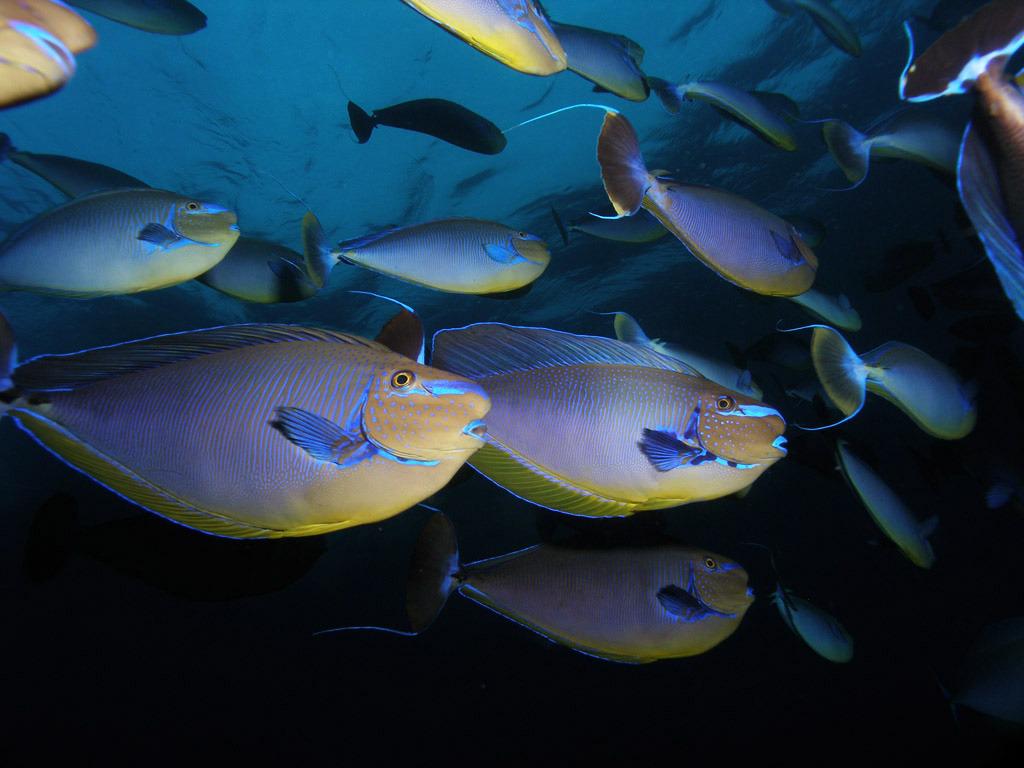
(531, 248)
(204, 222)
(422, 414)
(720, 583)
(740, 429)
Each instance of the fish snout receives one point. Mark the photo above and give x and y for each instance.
(779, 444)
(477, 429)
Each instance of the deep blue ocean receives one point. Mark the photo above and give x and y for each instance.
(147, 642)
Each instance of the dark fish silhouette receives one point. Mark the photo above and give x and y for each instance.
(440, 118)
(900, 264)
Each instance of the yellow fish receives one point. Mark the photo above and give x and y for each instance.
(747, 245)
(251, 431)
(515, 32)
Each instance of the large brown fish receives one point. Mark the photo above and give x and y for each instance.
(251, 431)
(741, 241)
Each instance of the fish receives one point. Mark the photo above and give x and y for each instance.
(262, 272)
(642, 227)
(73, 177)
(440, 118)
(948, 13)
(778, 349)
(887, 510)
(451, 255)
(627, 329)
(742, 242)
(972, 57)
(926, 390)
(593, 426)
(515, 32)
(822, 632)
(150, 549)
(835, 27)
(908, 135)
(633, 605)
(899, 264)
(992, 674)
(117, 242)
(39, 40)
(836, 311)
(612, 62)
(253, 431)
(472, 182)
(162, 17)
(749, 110)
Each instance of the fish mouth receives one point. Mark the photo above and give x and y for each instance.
(779, 444)
(476, 429)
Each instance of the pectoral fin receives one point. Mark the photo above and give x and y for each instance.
(787, 248)
(322, 439)
(665, 450)
(682, 603)
(503, 254)
(160, 236)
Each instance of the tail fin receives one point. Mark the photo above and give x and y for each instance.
(6, 147)
(8, 357)
(433, 572)
(627, 329)
(362, 122)
(561, 226)
(669, 93)
(840, 370)
(51, 537)
(403, 333)
(850, 148)
(318, 254)
(623, 171)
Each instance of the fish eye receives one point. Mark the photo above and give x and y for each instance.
(523, 235)
(402, 379)
(192, 205)
(710, 564)
(726, 403)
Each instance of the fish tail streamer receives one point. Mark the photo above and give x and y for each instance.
(840, 370)
(433, 572)
(362, 122)
(850, 148)
(623, 171)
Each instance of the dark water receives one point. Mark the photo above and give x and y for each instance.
(129, 636)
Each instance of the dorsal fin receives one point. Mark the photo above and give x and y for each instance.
(489, 349)
(66, 372)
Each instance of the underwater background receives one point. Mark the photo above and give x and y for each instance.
(137, 637)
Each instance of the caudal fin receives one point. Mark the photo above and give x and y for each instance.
(670, 94)
(433, 572)
(51, 537)
(318, 254)
(623, 171)
(840, 370)
(362, 122)
(850, 148)
(627, 329)
(6, 147)
(984, 40)
(561, 226)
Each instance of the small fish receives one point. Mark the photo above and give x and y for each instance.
(742, 242)
(117, 242)
(899, 264)
(992, 674)
(642, 227)
(749, 110)
(593, 426)
(612, 62)
(928, 391)
(452, 255)
(162, 17)
(836, 28)
(948, 13)
(73, 177)
(990, 175)
(908, 135)
(886, 509)
(262, 272)
(820, 630)
(515, 32)
(628, 330)
(779, 349)
(630, 605)
(39, 40)
(252, 431)
(835, 311)
(440, 118)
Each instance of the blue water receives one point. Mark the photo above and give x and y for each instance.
(135, 646)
